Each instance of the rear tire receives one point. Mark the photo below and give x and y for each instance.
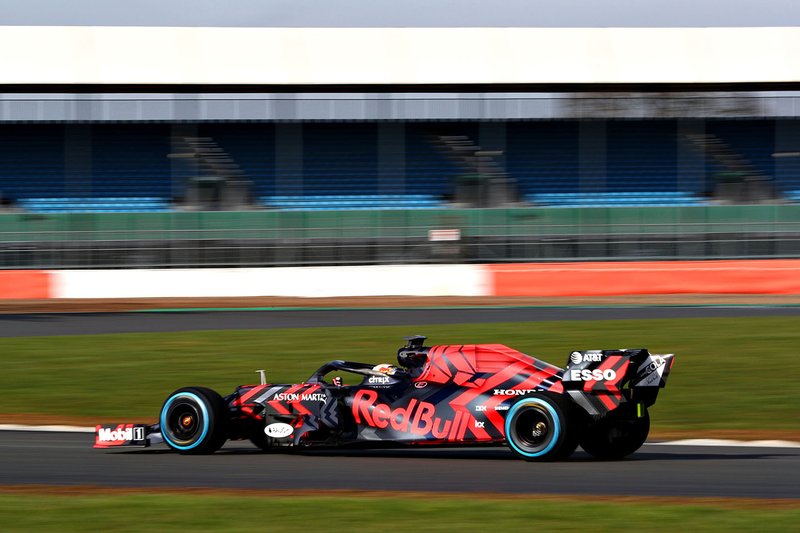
(541, 427)
(194, 420)
(617, 435)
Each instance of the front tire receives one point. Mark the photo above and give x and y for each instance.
(194, 420)
(541, 428)
(618, 435)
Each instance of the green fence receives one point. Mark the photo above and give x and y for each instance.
(321, 237)
(397, 223)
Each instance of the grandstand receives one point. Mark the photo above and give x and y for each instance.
(127, 167)
(345, 150)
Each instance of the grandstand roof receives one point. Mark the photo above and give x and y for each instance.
(78, 55)
(404, 13)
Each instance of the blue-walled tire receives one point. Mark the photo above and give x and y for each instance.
(194, 420)
(540, 427)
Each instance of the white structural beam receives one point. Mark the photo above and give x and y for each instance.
(390, 56)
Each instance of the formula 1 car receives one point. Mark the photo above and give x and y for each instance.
(438, 395)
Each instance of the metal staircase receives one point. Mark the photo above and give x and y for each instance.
(220, 184)
(485, 183)
(741, 181)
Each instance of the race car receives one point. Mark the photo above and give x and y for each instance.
(437, 395)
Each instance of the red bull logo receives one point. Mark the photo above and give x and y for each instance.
(418, 417)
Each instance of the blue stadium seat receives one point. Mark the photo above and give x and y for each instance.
(339, 164)
(350, 202)
(611, 199)
(793, 195)
(94, 205)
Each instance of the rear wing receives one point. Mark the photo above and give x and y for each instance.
(601, 380)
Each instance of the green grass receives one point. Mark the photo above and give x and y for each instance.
(171, 512)
(729, 373)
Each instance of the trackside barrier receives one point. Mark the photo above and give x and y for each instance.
(25, 284)
(657, 277)
(390, 280)
(534, 279)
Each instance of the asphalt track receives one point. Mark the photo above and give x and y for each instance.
(25, 325)
(656, 470)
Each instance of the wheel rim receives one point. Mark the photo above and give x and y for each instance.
(532, 427)
(184, 421)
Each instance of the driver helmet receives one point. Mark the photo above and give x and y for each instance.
(385, 368)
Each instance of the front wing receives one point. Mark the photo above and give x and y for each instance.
(128, 435)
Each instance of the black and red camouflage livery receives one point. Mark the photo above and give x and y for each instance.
(445, 395)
